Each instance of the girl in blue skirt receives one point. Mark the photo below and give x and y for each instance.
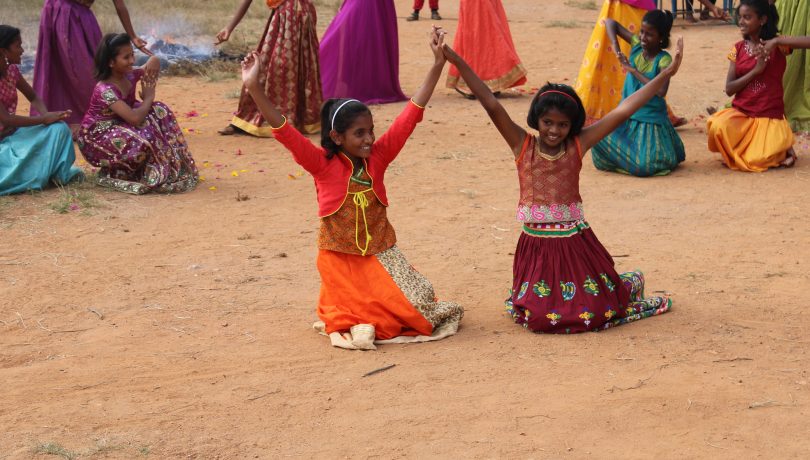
(33, 150)
(647, 143)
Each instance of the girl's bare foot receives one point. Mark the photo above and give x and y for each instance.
(790, 159)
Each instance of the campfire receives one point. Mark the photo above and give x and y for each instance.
(169, 51)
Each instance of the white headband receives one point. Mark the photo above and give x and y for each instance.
(338, 110)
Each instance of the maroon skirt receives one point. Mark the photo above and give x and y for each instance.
(564, 281)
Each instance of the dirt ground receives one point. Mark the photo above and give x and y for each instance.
(179, 326)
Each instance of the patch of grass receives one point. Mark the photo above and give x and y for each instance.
(211, 71)
(102, 446)
(564, 24)
(583, 5)
(233, 94)
(74, 198)
(144, 450)
(52, 448)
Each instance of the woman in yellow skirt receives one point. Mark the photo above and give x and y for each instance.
(753, 134)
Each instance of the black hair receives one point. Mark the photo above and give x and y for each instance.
(764, 8)
(344, 119)
(8, 35)
(107, 51)
(662, 22)
(549, 97)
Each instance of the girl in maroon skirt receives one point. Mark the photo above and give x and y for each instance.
(564, 280)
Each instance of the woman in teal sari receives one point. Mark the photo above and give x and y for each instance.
(794, 19)
(647, 143)
(33, 150)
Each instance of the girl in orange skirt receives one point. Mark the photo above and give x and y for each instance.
(753, 134)
(484, 40)
(369, 291)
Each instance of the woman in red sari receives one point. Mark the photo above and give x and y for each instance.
(288, 52)
(483, 39)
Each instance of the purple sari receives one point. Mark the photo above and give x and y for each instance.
(150, 157)
(63, 70)
(359, 53)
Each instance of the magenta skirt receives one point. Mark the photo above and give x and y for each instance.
(564, 282)
(63, 70)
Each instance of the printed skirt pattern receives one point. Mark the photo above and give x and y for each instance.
(564, 282)
(382, 290)
(152, 157)
(291, 77)
(640, 149)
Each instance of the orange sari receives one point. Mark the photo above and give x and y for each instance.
(483, 39)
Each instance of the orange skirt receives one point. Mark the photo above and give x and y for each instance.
(747, 143)
(483, 39)
(382, 290)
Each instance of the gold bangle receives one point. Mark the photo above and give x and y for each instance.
(282, 125)
(414, 103)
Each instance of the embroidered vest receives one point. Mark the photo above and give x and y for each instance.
(549, 187)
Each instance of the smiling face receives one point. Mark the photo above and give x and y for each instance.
(358, 138)
(14, 52)
(123, 61)
(750, 22)
(650, 38)
(553, 127)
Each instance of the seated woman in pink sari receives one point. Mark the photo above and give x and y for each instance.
(138, 145)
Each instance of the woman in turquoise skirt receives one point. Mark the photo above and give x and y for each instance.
(647, 143)
(33, 150)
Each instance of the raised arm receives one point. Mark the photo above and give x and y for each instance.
(123, 15)
(597, 131)
(388, 146)
(250, 77)
(302, 149)
(615, 29)
(225, 33)
(512, 133)
(423, 94)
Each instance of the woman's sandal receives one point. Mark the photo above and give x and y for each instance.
(229, 130)
(466, 95)
(790, 159)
